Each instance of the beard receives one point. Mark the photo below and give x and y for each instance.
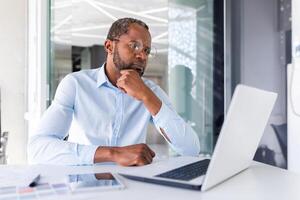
(122, 65)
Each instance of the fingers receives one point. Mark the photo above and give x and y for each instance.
(123, 77)
(146, 155)
(132, 84)
(144, 160)
(126, 74)
(121, 86)
(134, 155)
(129, 74)
(123, 81)
(151, 151)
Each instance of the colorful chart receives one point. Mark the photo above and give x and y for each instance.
(41, 191)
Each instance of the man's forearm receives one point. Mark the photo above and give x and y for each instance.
(152, 102)
(137, 154)
(104, 154)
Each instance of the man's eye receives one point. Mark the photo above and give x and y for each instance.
(147, 51)
(136, 46)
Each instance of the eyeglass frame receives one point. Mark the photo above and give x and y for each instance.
(148, 50)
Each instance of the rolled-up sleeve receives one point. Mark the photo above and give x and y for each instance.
(180, 136)
(46, 144)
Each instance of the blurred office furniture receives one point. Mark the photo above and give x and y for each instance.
(3, 140)
(3, 144)
(281, 134)
(267, 155)
(0, 113)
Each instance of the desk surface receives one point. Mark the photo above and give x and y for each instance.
(257, 182)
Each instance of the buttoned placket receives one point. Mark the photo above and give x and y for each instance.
(118, 118)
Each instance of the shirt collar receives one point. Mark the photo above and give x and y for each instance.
(102, 78)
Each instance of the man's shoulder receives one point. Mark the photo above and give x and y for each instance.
(84, 74)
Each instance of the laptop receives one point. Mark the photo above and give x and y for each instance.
(238, 140)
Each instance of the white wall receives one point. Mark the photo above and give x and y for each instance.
(261, 55)
(294, 94)
(258, 58)
(12, 75)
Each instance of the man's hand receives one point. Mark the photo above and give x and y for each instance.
(131, 83)
(133, 155)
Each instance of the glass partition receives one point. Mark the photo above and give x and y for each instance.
(192, 68)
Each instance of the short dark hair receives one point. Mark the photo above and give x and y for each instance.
(121, 27)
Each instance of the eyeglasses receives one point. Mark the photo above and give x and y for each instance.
(137, 47)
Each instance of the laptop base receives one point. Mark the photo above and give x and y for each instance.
(162, 182)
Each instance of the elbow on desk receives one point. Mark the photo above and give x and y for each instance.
(34, 150)
(38, 150)
(51, 150)
(188, 149)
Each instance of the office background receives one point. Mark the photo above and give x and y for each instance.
(188, 35)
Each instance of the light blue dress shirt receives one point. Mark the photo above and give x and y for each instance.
(108, 116)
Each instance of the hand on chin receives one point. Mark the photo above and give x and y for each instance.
(131, 83)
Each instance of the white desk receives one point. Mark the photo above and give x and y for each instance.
(258, 182)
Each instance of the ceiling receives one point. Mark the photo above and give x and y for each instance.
(86, 22)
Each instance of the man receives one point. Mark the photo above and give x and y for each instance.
(113, 105)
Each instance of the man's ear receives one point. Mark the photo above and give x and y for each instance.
(108, 45)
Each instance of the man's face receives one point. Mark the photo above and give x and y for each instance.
(131, 49)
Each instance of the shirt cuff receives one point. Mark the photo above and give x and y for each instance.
(86, 154)
(161, 118)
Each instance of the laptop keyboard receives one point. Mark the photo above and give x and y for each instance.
(187, 172)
